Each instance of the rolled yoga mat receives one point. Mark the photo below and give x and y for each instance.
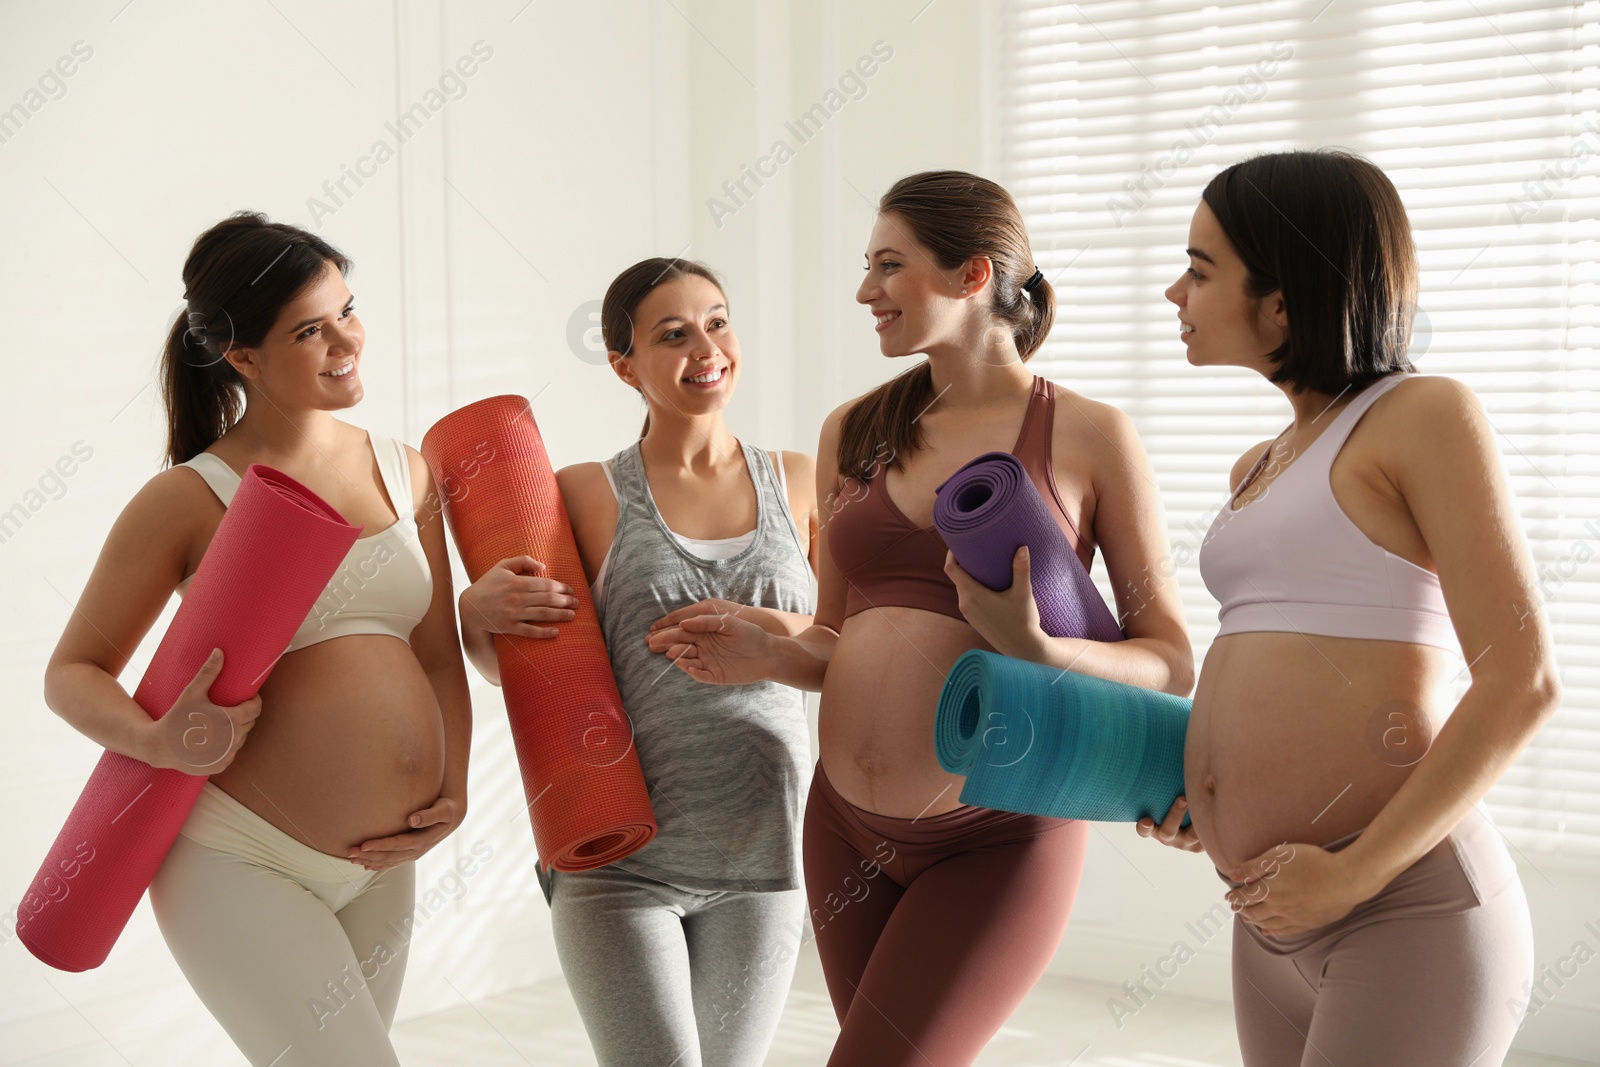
(580, 771)
(990, 508)
(1044, 741)
(272, 555)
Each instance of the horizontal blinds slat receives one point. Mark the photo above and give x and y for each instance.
(1469, 108)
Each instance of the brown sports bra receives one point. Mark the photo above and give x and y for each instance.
(888, 561)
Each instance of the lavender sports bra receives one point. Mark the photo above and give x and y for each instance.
(1291, 560)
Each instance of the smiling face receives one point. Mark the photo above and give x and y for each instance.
(685, 355)
(1220, 322)
(916, 304)
(311, 356)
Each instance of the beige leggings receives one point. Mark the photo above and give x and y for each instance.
(298, 954)
(1428, 972)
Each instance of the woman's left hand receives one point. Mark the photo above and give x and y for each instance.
(1293, 888)
(1007, 619)
(428, 827)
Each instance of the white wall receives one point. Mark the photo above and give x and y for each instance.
(594, 136)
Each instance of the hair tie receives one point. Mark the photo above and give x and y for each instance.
(1035, 279)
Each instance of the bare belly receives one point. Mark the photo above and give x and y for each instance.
(1305, 738)
(876, 712)
(350, 742)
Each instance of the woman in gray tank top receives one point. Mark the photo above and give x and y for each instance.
(682, 952)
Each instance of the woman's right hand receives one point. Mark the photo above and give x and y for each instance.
(196, 736)
(718, 649)
(514, 595)
(1169, 832)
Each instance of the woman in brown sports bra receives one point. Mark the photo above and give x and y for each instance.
(934, 918)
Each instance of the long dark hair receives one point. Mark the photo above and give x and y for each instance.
(239, 275)
(628, 291)
(1326, 229)
(956, 216)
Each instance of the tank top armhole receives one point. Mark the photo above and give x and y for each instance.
(597, 587)
(1046, 444)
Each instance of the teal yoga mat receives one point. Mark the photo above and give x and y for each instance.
(1044, 741)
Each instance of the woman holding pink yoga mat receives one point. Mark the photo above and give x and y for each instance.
(681, 952)
(286, 898)
(1334, 780)
(933, 918)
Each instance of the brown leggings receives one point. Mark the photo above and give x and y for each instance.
(932, 930)
(1428, 972)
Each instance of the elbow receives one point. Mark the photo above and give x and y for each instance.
(1180, 674)
(1544, 693)
(54, 686)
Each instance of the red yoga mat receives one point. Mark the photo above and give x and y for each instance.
(273, 553)
(580, 770)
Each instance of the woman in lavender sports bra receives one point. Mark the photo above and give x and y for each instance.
(1379, 917)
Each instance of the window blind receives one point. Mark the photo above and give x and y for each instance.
(1115, 113)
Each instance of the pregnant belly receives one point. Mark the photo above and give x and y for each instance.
(1298, 738)
(876, 712)
(350, 742)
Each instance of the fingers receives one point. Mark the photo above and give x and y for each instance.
(430, 816)
(207, 673)
(522, 565)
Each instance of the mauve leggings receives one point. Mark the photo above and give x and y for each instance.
(1428, 973)
(932, 930)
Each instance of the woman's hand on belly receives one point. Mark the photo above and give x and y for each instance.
(1295, 887)
(428, 827)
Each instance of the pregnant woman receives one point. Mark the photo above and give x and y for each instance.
(683, 952)
(933, 918)
(286, 893)
(1380, 918)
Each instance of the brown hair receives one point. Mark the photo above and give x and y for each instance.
(956, 216)
(239, 275)
(628, 291)
(1326, 229)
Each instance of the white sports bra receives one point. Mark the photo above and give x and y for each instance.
(384, 585)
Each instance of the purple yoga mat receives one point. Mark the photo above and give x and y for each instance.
(990, 508)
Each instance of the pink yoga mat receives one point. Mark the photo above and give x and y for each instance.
(274, 552)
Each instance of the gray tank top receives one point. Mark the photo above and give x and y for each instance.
(727, 765)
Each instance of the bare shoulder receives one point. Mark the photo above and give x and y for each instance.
(168, 516)
(1074, 411)
(799, 470)
(177, 494)
(578, 480)
(1102, 432)
(587, 493)
(1424, 403)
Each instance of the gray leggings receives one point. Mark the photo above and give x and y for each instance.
(1429, 971)
(663, 974)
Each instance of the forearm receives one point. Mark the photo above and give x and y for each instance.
(802, 660)
(97, 706)
(778, 623)
(1146, 662)
(1482, 737)
(478, 643)
(455, 708)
